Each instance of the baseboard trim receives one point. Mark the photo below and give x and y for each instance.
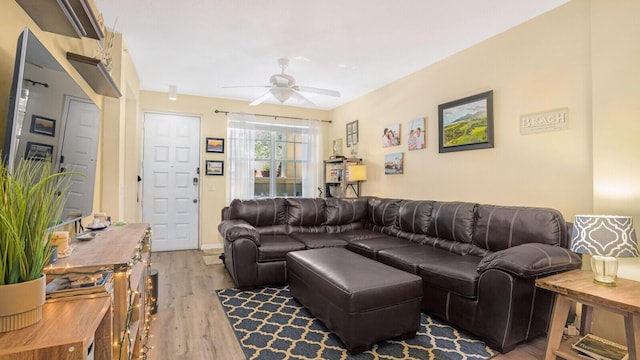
(210, 246)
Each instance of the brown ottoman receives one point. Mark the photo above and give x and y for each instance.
(361, 300)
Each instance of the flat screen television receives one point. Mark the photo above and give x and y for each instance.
(51, 117)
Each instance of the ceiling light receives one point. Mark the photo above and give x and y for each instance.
(281, 93)
(173, 93)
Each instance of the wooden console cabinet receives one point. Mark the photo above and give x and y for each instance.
(123, 251)
(69, 330)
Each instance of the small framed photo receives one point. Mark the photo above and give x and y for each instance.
(215, 145)
(417, 131)
(337, 147)
(38, 152)
(214, 167)
(394, 164)
(43, 125)
(352, 133)
(391, 135)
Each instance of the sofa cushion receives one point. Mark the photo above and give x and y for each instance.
(276, 247)
(345, 211)
(318, 240)
(412, 237)
(409, 258)
(415, 216)
(452, 273)
(452, 221)
(501, 227)
(305, 211)
(455, 247)
(259, 212)
(337, 229)
(359, 234)
(383, 212)
(370, 247)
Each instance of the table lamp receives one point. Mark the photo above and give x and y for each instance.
(605, 237)
(356, 173)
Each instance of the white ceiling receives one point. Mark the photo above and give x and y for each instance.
(353, 46)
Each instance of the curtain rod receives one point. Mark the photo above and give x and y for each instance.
(273, 116)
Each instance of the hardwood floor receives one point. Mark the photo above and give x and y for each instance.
(190, 323)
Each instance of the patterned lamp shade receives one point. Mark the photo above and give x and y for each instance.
(604, 235)
(605, 238)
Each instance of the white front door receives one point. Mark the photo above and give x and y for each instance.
(79, 153)
(170, 181)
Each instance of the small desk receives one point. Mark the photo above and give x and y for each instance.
(578, 286)
(65, 332)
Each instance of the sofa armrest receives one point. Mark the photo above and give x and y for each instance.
(531, 259)
(231, 230)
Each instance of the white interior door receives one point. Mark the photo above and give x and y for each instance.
(170, 181)
(79, 152)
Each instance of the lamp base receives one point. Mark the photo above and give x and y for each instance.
(605, 270)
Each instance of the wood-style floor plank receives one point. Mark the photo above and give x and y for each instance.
(191, 324)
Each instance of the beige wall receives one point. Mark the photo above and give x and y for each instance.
(616, 105)
(120, 195)
(541, 65)
(213, 188)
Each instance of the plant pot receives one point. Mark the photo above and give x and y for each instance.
(265, 173)
(21, 304)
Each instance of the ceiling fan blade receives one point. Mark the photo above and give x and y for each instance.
(318, 91)
(301, 99)
(261, 99)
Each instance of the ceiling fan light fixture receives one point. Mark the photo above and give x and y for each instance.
(282, 94)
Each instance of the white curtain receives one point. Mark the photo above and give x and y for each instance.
(313, 155)
(241, 137)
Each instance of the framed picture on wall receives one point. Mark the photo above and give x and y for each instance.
(352, 133)
(391, 135)
(417, 132)
(38, 152)
(466, 124)
(394, 163)
(214, 167)
(42, 125)
(215, 145)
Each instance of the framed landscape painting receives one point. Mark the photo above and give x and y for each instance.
(38, 152)
(43, 125)
(214, 167)
(466, 124)
(215, 145)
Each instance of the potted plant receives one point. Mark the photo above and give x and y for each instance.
(266, 169)
(32, 197)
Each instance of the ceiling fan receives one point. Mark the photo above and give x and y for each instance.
(283, 87)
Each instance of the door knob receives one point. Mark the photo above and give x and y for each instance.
(195, 201)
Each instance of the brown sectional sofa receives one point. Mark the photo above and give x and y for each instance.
(478, 263)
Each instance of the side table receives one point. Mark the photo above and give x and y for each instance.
(64, 333)
(578, 286)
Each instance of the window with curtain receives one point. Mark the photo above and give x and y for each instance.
(272, 158)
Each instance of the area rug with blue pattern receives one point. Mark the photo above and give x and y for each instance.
(270, 324)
